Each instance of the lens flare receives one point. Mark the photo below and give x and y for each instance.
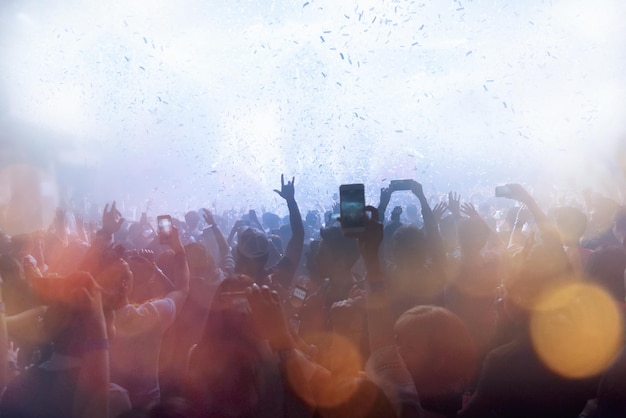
(335, 390)
(576, 329)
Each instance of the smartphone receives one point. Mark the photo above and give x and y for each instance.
(400, 185)
(164, 228)
(352, 207)
(503, 191)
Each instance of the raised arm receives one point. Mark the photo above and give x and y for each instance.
(430, 223)
(226, 262)
(380, 316)
(454, 205)
(293, 250)
(181, 281)
(91, 399)
(112, 221)
(234, 231)
(517, 238)
(385, 367)
(385, 197)
(217, 232)
(548, 232)
(469, 210)
(431, 227)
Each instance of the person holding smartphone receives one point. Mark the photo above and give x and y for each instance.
(140, 327)
(416, 275)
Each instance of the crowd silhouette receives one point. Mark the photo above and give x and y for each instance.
(497, 308)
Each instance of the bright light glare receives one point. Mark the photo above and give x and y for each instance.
(63, 111)
(450, 93)
(336, 390)
(576, 329)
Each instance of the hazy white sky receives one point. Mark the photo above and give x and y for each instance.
(207, 94)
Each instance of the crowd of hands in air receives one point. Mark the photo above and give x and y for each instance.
(254, 316)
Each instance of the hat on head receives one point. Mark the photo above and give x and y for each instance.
(252, 243)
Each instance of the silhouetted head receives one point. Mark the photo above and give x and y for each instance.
(412, 212)
(225, 370)
(409, 246)
(473, 234)
(606, 269)
(437, 349)
(116, 280)
(570, 222)
(313, 219)
(270, 221)
(199, 259)
(335, 252)
(395, 214)
(252, 252)
(192, 219)
(143, 278)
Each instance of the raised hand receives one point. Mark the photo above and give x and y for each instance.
(287, 191)
(208, 217)
(385, 197)
(417, 189)
(92, 297)
(147, 254)
(469, 210)
(175, 242)
(454, 204)
(439, 210)
(347, 315)
(519, 193)
(370, 240)
(112, 219)
(269, 317)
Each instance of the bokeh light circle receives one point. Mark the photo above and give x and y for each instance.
(576, 329)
